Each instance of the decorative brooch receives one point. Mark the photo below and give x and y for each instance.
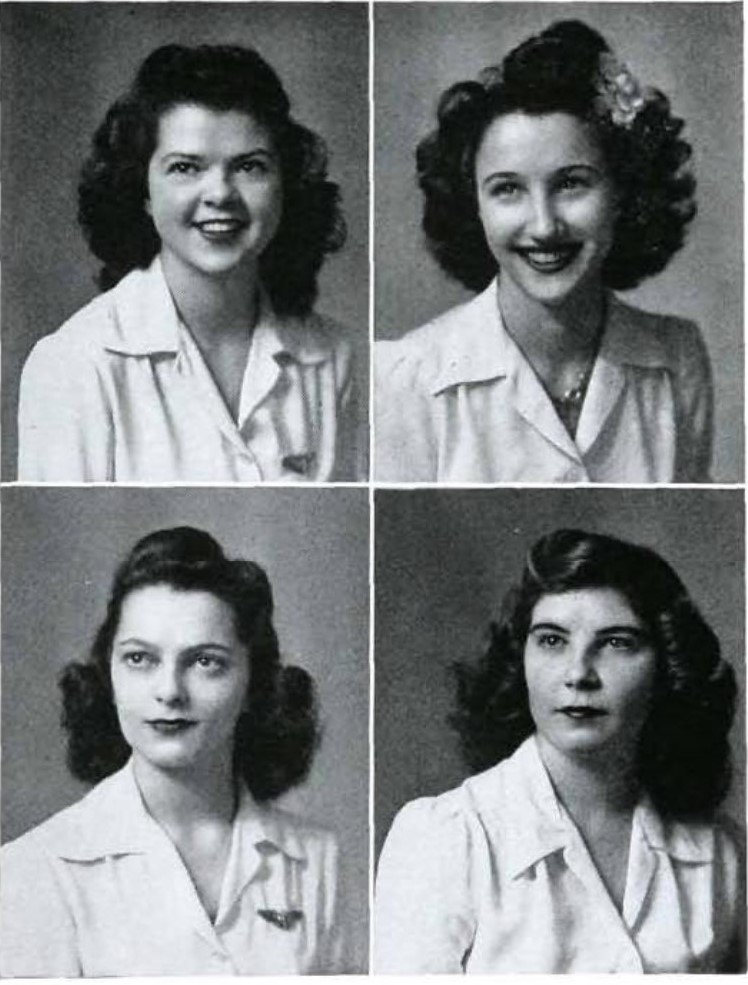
(619, 91)
(283, 919)
(301, 463)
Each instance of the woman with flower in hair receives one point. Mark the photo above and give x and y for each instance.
(177, 862)
(211, 210)
(588, 840)
(549, 183)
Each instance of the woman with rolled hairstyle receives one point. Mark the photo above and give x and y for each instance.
(177, 862)
(211, 210)
(587, 840)
(549, 183)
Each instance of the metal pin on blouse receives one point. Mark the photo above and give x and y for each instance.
(283, 919)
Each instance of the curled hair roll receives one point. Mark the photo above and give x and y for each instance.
(275, 738)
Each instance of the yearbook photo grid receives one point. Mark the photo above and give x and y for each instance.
(372, 489)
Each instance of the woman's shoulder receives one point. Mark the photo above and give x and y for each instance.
(297, 835)
(60, 835)
(648, 334)
(421, 355)
(316, 337)
(81, 334)
(87, 331)
(454, 811)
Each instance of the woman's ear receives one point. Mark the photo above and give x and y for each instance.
(147, 206)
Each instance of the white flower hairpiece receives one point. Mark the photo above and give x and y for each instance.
(619, 92)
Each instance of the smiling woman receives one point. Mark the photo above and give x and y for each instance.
(177, 863)
(211, 210)
(549, 182)
(587, 840)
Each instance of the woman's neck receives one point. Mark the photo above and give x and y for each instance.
(217, 310)
(548, 336)
(592, 787)
(179, 799)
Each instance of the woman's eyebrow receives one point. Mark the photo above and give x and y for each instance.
(553, 627)
(133, 641)
(208, 645)
(182, 154)
(630, 628)
(580, 166)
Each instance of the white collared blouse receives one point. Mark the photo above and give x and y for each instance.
(494, 877)
(99, 890)
(121, 393)
(457, 401)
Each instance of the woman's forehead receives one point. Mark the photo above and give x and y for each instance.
(519, 141)
(194, 124)
(598, 606)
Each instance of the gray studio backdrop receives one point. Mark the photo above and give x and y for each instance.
(65, 63)
(443, 563)
(59, 551)
(692, 51)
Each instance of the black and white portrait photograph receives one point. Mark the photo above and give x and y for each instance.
(559, 731)
(185, 297)
(558, 242)
(185, 732)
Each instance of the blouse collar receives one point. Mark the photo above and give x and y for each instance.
(527, 821)
(481, 349)
(145, 322)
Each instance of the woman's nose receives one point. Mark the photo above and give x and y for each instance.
(543, 220)
(170, 689)
(581, 668)
(218, 186)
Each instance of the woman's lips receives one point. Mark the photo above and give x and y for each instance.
(581, 712)
(549, 259)
(171, 726)
(220, 229)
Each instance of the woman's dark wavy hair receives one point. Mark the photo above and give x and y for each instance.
(275, 738)
(557, 71)
(684, 755)
(113, 186)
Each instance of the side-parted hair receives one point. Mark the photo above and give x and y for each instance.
(275, 737)
(568, 68)
(114, 181)
(684, 755)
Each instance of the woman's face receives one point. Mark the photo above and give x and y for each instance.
(214, 190)
(547, 203)
(590, 669)
(180, 676)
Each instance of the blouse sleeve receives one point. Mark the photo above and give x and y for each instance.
(423, 914)
(37, 932)
(405, 443)
(695, 407)
(333, 958)
(64, 428)
(352, 433)
(730, 896)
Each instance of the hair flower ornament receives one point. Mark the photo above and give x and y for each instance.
(619, 92)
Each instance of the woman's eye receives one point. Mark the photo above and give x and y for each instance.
(182, 167)
(505, 189)
(253, 165)
(621, 643)
(573, 182)
(206, 661)
(136, 658)
(550, 641)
